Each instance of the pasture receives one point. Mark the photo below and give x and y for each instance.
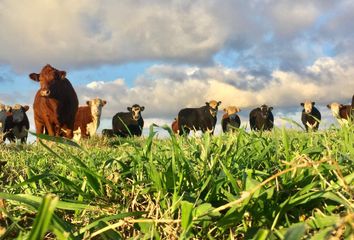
(284, 184)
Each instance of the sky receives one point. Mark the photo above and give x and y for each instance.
(168, 55)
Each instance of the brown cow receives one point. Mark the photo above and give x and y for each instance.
(174, 126)
(343, 113)
(88, 117)
(55, 104)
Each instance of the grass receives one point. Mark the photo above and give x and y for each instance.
(283, 184)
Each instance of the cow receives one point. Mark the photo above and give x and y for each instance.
(343, 113)
(17, 124)
(174, 126)
(230, 120)
(55, 104)
(202, 118)
(262, 118)
(310, 116)
(130, 123)
(87, 118)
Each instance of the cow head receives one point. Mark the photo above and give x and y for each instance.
(96, 106)
(231, 110)
(19, 112)
(308, 106)
(48, 79)
(265, 110)
(213, 107)
(136, 111)
(335, 108)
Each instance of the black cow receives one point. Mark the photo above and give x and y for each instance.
(310, 116)
(230, 120)
(129, 123)
(262, 118)
(17, 124)
(203, 118)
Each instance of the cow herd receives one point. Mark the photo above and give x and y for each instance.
(57, 113)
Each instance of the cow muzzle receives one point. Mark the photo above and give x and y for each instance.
(45, 93)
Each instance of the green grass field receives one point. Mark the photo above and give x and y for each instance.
(284, 184)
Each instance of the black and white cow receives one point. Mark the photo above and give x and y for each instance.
(17, 124)
(262, 118)
(130, 123)
(310, 116)
(202, 118)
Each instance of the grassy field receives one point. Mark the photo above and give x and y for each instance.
(284, 184)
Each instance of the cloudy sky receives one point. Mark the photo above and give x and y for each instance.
(167, 55)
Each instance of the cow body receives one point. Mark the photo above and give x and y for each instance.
(310, 116)
(55, 104)
(87, 118)
(230, 120)
(262, 118)
(130, 123)
(17, 124)
(203, 118)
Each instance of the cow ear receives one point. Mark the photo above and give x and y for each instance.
(302, 104)
(26, 107)
(313, 103)
(219, 103)
(129, 109)
(34, 77)
(142, 108)
(104, 102)
(62, 74)
(206, 103)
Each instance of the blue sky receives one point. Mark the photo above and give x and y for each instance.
(167, 55)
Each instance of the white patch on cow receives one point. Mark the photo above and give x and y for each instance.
(335, 109)
(311, 125)
(77, 135)
(308, 106)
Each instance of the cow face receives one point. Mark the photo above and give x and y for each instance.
(96, 106)
(48, 79)
(265, 110)
(19, 112)
(136, 111)
(213, 107)
(335, 108)
(231, 110)
(308, 105)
